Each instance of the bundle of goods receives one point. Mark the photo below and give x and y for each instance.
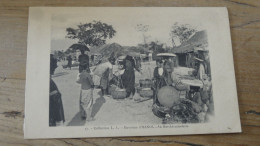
(145, 88)
(160, 111)
(185, 111)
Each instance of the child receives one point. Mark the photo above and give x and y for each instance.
(86, 94)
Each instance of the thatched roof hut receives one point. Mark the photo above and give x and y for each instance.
(199, 39)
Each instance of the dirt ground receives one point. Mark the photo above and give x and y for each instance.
(106, 110)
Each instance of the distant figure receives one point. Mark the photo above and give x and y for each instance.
(83, 61)
(56, 112)
(86, 94)
(69, 61)
(128, 78)
(53, 64)
(201, 69)
(207, 64)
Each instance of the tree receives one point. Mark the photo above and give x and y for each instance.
(92, 34)
(156, 47)
(143, 29)
(182, 32)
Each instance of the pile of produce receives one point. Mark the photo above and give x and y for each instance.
(185, 111)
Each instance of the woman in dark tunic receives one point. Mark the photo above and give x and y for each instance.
(56, 112)
(162, 79)
(128, 78)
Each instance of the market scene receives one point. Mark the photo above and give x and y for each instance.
(110, 84)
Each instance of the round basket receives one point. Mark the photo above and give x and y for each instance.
(146, 92)
(119, 94)
(147, 83)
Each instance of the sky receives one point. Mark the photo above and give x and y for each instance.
(124, 21)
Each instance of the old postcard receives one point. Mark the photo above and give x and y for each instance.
(121, 71)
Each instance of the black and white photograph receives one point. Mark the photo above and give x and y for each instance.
(103, 71)
(136, 69)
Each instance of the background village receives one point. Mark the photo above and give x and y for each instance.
(187, 100)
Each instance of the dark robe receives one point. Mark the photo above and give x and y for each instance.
(128, 78)
(56, 112)
(83, 62)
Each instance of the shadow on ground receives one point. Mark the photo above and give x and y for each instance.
(78, 121)
(98, 104)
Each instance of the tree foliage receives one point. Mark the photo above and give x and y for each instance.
(92, 34)
(156, 47)
(181, 31)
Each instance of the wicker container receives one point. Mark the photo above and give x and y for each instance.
(147, 83)
(146, 92)
(119, 93)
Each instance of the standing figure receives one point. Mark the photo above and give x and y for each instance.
(56, 112)
(69, 61)
(103, 74)
(128, 78)
(86, 94)
(83, 61)
(159, 79)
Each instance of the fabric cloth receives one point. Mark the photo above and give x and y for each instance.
(56, 112)
(86, 102)
(83, 62)
(85, 80)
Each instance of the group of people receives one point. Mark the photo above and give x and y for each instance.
(100, 77)
(97, 78)
(164, 76)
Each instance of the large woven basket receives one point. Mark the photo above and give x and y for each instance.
(146, 92)
(147, 83)
(119, 93)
